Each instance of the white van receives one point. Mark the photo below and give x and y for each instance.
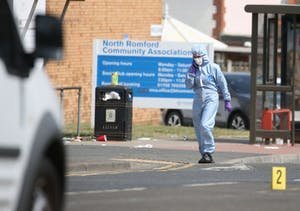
(32, 160)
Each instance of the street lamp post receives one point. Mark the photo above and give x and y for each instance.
(65, 8)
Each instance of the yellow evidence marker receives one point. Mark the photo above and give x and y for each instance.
(278, 178)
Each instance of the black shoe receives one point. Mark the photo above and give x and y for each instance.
(206, 158)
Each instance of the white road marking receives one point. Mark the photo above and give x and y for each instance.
(85, 174)
(145, 161)
(296, 180)
(105, 191)
(209, 184)
(241, 167)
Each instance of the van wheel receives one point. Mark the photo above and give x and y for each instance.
(47, 195)
(238, 121)
(174, 118)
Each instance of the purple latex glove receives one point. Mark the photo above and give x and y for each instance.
(228, 106)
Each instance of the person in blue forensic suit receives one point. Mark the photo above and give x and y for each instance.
(206, 78)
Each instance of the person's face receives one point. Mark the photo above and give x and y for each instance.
(198, 59)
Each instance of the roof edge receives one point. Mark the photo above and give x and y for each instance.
(273, 9)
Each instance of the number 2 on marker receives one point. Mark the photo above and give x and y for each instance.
(278, 178)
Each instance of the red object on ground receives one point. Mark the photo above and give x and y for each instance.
(284, 115)
(102, 138)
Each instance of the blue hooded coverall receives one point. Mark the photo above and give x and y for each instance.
(205, 80)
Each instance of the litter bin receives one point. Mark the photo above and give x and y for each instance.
(113, 112)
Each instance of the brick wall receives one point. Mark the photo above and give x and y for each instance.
(102, 19)
(219, 18)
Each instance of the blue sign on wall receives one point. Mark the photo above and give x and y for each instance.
(147, 76)
(154, 70)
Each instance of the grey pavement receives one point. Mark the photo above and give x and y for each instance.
(146, 153)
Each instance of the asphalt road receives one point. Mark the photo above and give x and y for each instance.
(166, 186)
(98, 154)
(209, 196)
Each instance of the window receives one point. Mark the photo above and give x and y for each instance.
(239, 83)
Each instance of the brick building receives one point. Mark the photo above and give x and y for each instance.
(98, 19)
